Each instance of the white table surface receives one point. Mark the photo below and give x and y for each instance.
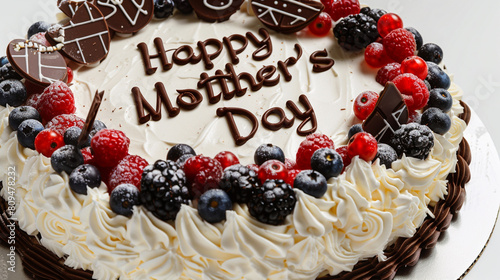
(468, 32)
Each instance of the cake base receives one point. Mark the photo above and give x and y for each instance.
(40, 263)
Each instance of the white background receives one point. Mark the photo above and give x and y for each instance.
(468, 32)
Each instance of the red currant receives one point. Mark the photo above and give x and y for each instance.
(364, 104)
(375, 55)
(292, 173)
(70, 75)
(345, 157)
(362, 144)
(272, 169)
(387, 23)
(415, 65)
(48, 141)
(322, 25)
(226, 159)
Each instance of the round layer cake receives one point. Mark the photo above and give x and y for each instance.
(371, 220)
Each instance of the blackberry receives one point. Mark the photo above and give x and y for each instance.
(183, 6)
(272, 202)
(375, 14)
(386, 154)
(163, 189)
(355, 32)
(414, 140)
(239, 182)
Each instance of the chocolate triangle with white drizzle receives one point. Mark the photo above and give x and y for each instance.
(389, 114)
(89, 121)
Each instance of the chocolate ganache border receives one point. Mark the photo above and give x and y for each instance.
(39, 263)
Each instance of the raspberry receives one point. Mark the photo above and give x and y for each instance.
(62, 122)
(307, 148)
(128, 171)
(70, 74)
(33, 98)
(87, 155)
(109, 147)
(388, 73)
(346, 159)
(343, 8)
(400, 44)
(375, 55)
(56, 99)
(292, 174)
(413, 90)
(202, 174)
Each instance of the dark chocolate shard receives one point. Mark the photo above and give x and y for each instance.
(69, 7)
(91, 116)
(286, 16)
(389, 114)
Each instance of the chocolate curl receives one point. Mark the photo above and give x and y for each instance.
(89, 122)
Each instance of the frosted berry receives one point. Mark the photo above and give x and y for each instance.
(213, 204)
(388, 23)
(267, 152)
(354, 129)
(40, 39)
(414, 140)
(307, 148)
(72, 135)
(414, 116)
(202, 174)
(109, 147)
(386, 155)
(399, 44)
(272, 169)
(56, 99)
(343, 8)
(436, 120)
(62, 122)
(20, 114)
(292, 174)
(179, 150)
(346, 159)
(363, 145)
(321, 25)
(388, 73)
(436, 77)
(12, 92)
(84, 176)
(431, 52)
(123, 199)
(254, 167)
(37, 27)
(290, 164)
(414, 65)
(128, 171)
(27, 132)
(327, 162)
(96, 127)
(272, 202)
(7, 73)
(226, 159)
(311, 182)
(418, 37)
(364, 104)
(441, 99)
(413, 90)
(88, 157)
(70, 75)
(66, 159)
(48, 141)
(375, 55)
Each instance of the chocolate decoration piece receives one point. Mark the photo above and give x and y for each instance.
(389, 114)
(126, 16)
(91, 116)
(321, 61)
(229, 113)
(215, 10)
(41, 68)
(286, 16)
(86, 36)
(69, 7)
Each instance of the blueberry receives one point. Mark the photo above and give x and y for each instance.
(183, 6)
(7, 72)
(3, 61)
(96, 127)
(441, 99)
(182, 160)
(436, 120)
(12, 92)
(429, 87)
(327, 162)
(311, 182)
(164, 8)
(267, 152)
(123, 198)
(213, 205)
(37, 27)
(431, 52)
(386, 154)
(84, 176)
(354, 129)
(71, 136)
(66, 159)
(27, 132)
(179, 150)
(436, 77)
(418, 37)
(20, 114)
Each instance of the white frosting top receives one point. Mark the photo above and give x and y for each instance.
(364, 209)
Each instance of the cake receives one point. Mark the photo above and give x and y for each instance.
(372, 219)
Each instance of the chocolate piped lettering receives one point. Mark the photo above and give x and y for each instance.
(233, 53)
(154, 114)
(264, 44)
(283, 121)
(283, 66)
(194, 95)
(207, 57)
(146, 57)
(321, 62)
(229, 113)
(306, 116)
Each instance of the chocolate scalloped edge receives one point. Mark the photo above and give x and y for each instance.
(39, 263)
